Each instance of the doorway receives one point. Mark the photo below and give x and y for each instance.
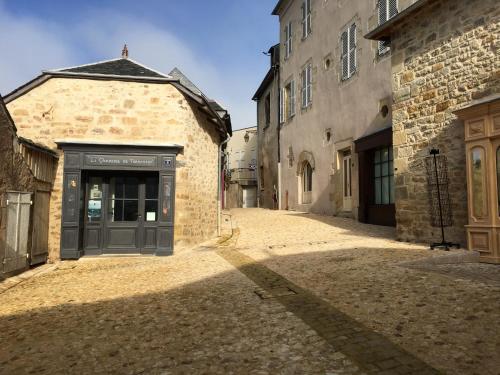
(347, 180)
(121, 212)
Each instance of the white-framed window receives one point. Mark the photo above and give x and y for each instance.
(386, 10)
(288, 40)
(348, 55)
(290, 99)
(306, 18)
(306, 90)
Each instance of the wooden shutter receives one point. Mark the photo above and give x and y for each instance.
(308, 16)
(289, 38)
(304, 16)
(292, 98)
(393, 8)
(352, 49)
(282, 105)
(309, 83)
(382, 11)
(344, 55)
(304, 88)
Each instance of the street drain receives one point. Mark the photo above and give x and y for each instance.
(275, 292)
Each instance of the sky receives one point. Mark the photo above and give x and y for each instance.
(218, 44)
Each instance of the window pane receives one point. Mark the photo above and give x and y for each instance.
(385, 154)
(130, 210)
(152, 188)
(478, 206)
(94, 207)
(116, 187)
(131, 187)
(385, 169)
(115, 210)
(391, 190)
(151, 210)
(385, 190)
(391, 168)
(377, 170)
(377, 156)
(390, 154)
(378, 189)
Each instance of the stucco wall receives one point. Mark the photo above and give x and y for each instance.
(444, 57)
(267, 146)
(351, 109)
(128, 112)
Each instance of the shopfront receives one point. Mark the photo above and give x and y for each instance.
(117, 199)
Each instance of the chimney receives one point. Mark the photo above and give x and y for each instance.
(125, 52)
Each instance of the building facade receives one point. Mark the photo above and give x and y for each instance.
(445, 57)
(241, 169)
(267, 99)
(335, 110)
(139, 157)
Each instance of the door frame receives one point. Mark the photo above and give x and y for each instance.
(82, 158)
(347, 180)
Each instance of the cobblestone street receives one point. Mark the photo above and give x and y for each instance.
(289, 293)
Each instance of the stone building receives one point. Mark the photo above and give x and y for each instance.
(336, 95)
(26, 175)
(267, 99)
(445, 56)
(139, 157)
(241, 174)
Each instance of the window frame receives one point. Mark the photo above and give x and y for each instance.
(348, 51)
(267, 110)
(290, 98)
(306, 89)
(306, 19)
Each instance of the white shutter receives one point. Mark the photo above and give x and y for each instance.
(290, 38)
(304, 16)
(352, 49)
(393, 8)
(292, 98)
(304, 89)
(382, 11)
(344, 56)
(309, 84)
(308, 16)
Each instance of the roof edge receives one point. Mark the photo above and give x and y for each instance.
(383, 31)
(264, 84)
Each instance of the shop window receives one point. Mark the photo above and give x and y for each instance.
(94, 205)
(151, 201)
(478, 188)
(384, 176)
(124, 199)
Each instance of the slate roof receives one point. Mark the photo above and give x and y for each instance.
(115, 67)
(177, 74)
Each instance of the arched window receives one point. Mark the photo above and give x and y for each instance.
(306, 178)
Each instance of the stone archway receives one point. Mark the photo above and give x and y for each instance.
(305, 156)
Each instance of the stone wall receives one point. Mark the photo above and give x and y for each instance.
(128, 112)
(443, 57)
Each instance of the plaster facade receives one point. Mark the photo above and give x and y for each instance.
(341, 111)
(128, 112)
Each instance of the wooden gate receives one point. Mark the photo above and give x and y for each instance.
(17, 232)
(40, 232)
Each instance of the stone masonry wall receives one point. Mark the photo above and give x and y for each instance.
(128, 112)
(443, 57)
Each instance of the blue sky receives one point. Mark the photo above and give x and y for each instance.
(216, 43)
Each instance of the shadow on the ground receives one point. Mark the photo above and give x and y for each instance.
(219, 324)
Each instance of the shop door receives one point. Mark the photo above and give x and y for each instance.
(123, 210)
(347, 178)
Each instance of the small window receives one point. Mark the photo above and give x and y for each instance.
(306, 86)
(348, 55)
(306, 18)
(386, 10)
(288, 40)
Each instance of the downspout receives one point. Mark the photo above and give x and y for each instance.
(219, 186)
(277, 75)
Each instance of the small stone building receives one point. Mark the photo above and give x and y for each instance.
(139, 157)
(27, 171)
(445, 55)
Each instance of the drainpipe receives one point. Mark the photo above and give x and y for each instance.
(219, 186)
(277, 76)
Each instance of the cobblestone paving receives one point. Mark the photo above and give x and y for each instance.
(450, 320)
(192, 313)
(371, 351)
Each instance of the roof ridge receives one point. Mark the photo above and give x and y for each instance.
(147, 67)
(82, 65)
